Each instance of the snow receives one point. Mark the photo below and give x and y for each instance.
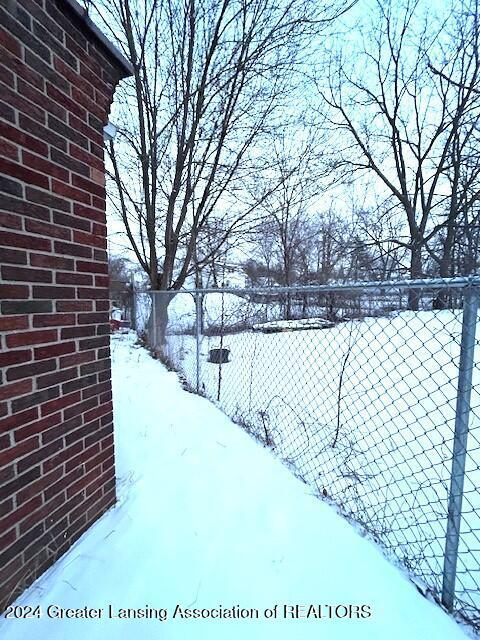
(208, 517)
(390, 466)
(293, 325)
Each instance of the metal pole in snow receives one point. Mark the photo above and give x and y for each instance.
(198, 329)
(462, 415)
(154, 323)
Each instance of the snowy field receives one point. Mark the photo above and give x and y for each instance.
(365, 412)
(207, 518)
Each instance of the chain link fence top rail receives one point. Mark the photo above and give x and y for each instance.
(369, 401)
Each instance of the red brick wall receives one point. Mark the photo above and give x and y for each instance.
(56, 433)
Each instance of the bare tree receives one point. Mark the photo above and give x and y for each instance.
(401, 122)
(291, 186)
(210, 78)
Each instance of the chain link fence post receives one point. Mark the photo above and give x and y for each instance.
(462, 415)
(198, 329)
(154, 319)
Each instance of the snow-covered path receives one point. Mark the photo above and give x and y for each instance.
(207, 517)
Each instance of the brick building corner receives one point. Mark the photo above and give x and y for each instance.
(58, 74)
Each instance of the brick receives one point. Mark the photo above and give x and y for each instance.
(43, 133)
(65, 101)
(66, 248)
(7, 323)
(40, 291)
(18, 420)
(73, 278)
(54, 320)
(38, 97)
(6, 112)
(10, 455)
(62, 483)
(60, 403)
(23, 139)
(99, 229)
(26, 241)
(37, 427)
(7, 473)
(92, 267)
(31, 337)
(78, 409)
(31, 369)
(89, 239)
(79, 383)
(35, 399)
(12, 187)
(20, 513)
(51, 262)
(58, 377)
(38, 485)
(9, 150)
(41, 513)
(13, 291)
(24, 35)
(78, 332)
(26, 275)
(26, 306)
(91, 318)
(46, 71)
(98, 412)
(95, 367)
(97, 215)
(71, 222)
(82, 457)
(54, 350)
(15, 99)
(88, 185)
(61, 457)
(20, 172)
(100, 255)
(25, 208)
(9, 42)
(85, 156)
(74, 78)
(90, 133)
(18, 483)
(48, 199)
(7, 76)
(21, 544)
(15, 389)
(12, 256)
(70, 133)
(77, 358)
(10, 221)
(15, 357)
(49, 230)
(70, 192)
(92, 293)
(102, 281)
(45, 166)
(54, 45)
(74, 305)
(94, 343)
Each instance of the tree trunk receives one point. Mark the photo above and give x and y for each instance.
(416, 273)
(158, 320)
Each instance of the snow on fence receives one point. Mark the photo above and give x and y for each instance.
(370, 392)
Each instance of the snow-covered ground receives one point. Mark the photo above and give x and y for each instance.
(365, 412)
(207, 517)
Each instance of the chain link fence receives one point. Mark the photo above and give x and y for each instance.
(370, 392)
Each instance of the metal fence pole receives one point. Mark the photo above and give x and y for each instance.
(154, 322)
(462, 415)
(133, 310)
(198, 329)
